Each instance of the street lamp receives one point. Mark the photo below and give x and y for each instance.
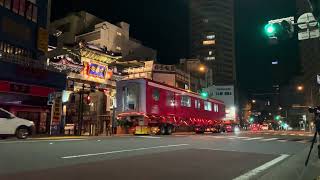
(300, 88)
(202, 68)
(253, 101)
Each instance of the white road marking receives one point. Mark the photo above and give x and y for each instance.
(250, 139)
(231, 138)
(217, 149)
(121, 151)
(270, 139)
(283, 140)
(150, 137)
(261, 168)
(292, 134)
(243, 137)
(301, 134)
(35, 141)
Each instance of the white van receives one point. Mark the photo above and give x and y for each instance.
(10, 125)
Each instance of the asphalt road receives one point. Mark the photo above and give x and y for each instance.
(228, 156)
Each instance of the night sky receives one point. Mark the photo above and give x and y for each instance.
(163, 25)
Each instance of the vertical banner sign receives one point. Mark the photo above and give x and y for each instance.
(56, 114)
(43, 38)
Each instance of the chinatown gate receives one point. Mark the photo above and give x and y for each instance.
(90, 93)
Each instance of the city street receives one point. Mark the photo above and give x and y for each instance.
(180, 156)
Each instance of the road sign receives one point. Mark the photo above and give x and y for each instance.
(306, 20)
(308, 25)
(308, 34)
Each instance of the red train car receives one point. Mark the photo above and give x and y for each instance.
(152, 107)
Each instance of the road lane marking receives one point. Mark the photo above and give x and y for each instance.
(283, 140)
(243, 137)
(231, 138)
(250, 139)
(121, 151)
(270, 139)
(35, 141)
(150, 137)
(261, 168)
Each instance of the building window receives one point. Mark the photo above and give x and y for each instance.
(210, 58)
(208, 42)
(197, 104)
(155, 94)
(185, 101)
(216, 108)
(7, 4)
(119, 33)
(211, 36)
(118, 48)
(207, 106)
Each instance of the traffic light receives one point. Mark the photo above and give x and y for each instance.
(270, 29)
(279, 30)
(251, 119)
(277, 117)
(204, 94)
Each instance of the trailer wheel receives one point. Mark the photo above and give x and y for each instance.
(169, 130)
(162, 130)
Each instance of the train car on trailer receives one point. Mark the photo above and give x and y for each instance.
(153, 107)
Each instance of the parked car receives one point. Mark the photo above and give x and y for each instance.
(10, 125)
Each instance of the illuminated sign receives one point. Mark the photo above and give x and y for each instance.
(97, 70)
(209, 42)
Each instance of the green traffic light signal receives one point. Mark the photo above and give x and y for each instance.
(270, 29)
(204, 94)
(251, 119)
(278, 117)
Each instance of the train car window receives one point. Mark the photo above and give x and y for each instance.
(170, 99)
(197, 104)
(185, 101)
(155, 94)
(207, 106)
(216, 108)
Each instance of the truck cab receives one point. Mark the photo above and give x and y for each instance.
(10, 125)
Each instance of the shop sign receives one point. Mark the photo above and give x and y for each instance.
(97, 70)
(56, 114)
(165, 68)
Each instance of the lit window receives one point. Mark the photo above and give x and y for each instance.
(119, 33)
(209, 42)
(197, 104)
(210, 53)
(207, 106)
(211, 36)
(118, 48)
(216, 108)
(185, 101)
(210, 58)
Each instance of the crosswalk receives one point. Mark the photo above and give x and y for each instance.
(248, 139)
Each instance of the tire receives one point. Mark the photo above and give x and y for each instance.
(22, 133)
(162, 130)
(169, 130)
